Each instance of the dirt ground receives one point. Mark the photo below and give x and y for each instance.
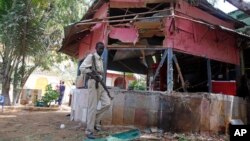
(44, 125)
(26, 125)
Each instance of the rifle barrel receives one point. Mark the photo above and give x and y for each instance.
(97, 78)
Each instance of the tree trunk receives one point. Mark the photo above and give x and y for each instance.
(5, 91)
(6, 74)
(16, 91)
(15, 94)
(20, 71)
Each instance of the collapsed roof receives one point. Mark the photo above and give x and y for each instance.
(74, 33)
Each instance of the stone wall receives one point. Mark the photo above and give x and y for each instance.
(177, 112)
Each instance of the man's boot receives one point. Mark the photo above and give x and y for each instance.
(90, 135)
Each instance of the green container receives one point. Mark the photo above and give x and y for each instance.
(40, 104)
(123, 136)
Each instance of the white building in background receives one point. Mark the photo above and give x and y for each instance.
(39, 80)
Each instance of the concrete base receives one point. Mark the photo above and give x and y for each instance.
(177, 112)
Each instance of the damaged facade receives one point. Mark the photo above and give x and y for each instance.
(179, 46)
(140, 34)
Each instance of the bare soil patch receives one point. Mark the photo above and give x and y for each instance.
(44, 125)
(38, 125)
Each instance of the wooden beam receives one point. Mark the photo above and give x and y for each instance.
(135, 47)
(180, 74)
(88, 21)
(158, 5)
(127, 11)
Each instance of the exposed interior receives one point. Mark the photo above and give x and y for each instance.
(144, 55)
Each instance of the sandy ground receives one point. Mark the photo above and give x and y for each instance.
(44, 125)
(28, 125)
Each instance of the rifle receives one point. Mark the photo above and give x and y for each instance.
(94, 75)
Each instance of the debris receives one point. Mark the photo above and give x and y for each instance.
(62, 126)
(149, 137)
(236, 122)
(147, 131)
(154, 130)
(122, 136)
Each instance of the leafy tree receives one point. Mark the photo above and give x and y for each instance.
(137, 85)
(31, 33)
(50, 95)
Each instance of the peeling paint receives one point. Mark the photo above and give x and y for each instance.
(126, 35)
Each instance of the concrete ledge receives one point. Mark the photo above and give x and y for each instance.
(177, 112)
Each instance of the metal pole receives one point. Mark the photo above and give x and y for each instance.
(105, 63)
(242, 62)
(160, 65)
(237, 75)
(180, 74)
(124, 80)
(209, 75)
(170, 71)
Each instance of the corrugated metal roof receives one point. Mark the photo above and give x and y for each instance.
(206, 6)
(241, 4)
(243, 17)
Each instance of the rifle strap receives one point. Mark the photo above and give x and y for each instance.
(94, 68)
(94, 62)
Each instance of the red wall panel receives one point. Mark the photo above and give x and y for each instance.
(102, 11)
(84, 48)
(200, 40)
(97, 34)
(197, 13)
(127, 3)
(126, 35)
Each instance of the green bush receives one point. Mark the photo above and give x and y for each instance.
(137, 85)
(50, 95)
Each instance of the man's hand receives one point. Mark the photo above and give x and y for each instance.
(111, 97)
(100, 76)
(86, 70)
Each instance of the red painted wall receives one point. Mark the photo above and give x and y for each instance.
(200, 40)
(98, 33)
(84, 48)
(127, 3)
(181, 34)
(113, 76)
(125, 34)
(192, 11)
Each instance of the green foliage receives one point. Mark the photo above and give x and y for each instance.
(31, 33)
(182, 137)
(137, 85)
(50, 95)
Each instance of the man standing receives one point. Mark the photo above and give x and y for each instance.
(96, 91)
(61, 92)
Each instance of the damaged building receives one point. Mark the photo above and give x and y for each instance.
(188, 50)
